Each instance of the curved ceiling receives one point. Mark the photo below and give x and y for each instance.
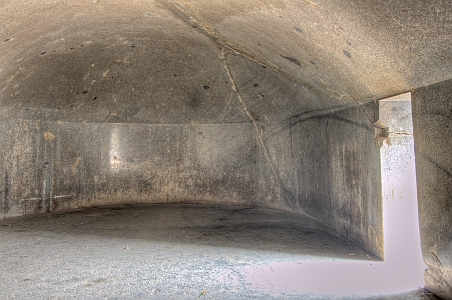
(209, 61)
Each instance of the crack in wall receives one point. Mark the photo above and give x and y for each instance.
(438, 166)
(400, 133)
(222, 57)
(223, 43)
(378, 124)
(436, 259)
(189, 15)
(214, 36)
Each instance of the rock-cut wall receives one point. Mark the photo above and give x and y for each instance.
(48, 166)
(432, 124)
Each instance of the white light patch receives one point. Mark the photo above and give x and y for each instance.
(402, 269)
(115, 149)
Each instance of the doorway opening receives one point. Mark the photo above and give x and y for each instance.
(403, 266)
(400, 207)
(224, 251)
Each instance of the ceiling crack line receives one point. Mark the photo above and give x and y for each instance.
(222, 57)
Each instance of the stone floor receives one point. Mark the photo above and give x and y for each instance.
(186, 251)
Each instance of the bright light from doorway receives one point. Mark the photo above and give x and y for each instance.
(402, 269)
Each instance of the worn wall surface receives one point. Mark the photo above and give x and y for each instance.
(315, 166)
(432, 122)
(53, 166)
(255, 102)
(329, 168)
(362, 50)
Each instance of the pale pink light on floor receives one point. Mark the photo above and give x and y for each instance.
(338, 277)
(402, 269)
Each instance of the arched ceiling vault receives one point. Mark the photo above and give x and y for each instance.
(187, 61)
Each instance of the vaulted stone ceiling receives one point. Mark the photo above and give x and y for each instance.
(260, 102)
(184, 61)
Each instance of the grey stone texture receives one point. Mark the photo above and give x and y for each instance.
(300, 166)
(177, 251)
(432, 122)
(83, 164)
(266, 102)
(329, 166)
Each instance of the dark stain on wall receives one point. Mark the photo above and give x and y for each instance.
(292, 60)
